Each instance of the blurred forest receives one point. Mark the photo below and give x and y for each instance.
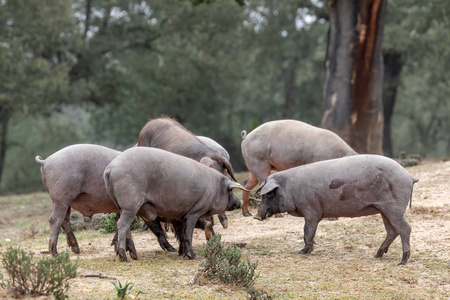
(95, 71)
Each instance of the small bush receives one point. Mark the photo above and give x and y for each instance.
(108, 224)
(48, 276)
(225, 263)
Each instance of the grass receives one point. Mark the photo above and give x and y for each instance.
(340, 267)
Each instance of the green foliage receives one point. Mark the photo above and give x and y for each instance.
(108, 224)
(124, 290)
(97, 71)
(225, 264)
(48, 276)
(419, 32)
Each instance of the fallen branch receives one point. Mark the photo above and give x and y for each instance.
(194, 279)
(99, 276)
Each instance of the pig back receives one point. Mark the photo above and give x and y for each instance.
(75, 173)
(288, 143)
(349, 185)
(157, 172)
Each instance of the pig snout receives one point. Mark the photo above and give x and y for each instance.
(235, 203)
(263, 213)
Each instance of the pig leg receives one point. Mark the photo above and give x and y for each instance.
(56, 220)
(207, 226)
(178, 227)
(390, 237)
(155, 227)
(250, 183)
(309, 233)
(185, 231)
(154, 224)
(223, 219)
(404, 230)
(71, 240)
(124, 233)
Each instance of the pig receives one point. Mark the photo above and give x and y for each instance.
(284, 144)
(154, 182)
(214, 145)
(168, 134)
(73, 177)
(352, 186)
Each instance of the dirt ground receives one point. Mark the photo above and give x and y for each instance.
(343, 246)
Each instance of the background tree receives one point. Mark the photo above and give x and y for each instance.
(33, 60)
(352, 102)
(95, 71)
(416, 45)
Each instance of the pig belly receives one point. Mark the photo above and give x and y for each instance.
(88, 205)
(349, 213)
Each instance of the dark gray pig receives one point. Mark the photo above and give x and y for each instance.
(284, 144)
(353, 186)
(73, 177)
(168, 134)
(155, 182)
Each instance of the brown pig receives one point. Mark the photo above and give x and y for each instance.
(284, 144)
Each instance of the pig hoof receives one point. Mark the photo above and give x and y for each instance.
(225, 224)
(304, 251)
(278, 216)
(75, 249)
(246, 214)
(133, 255)
(171, 249)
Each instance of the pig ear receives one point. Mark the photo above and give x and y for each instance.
(267, 187)
(236, 185)
(206, 161)
(228, 167)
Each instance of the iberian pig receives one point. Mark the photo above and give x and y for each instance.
(352, 186)
(155, 182)
(214, 145)
(168, 134)
(284, 144)
(73, 177)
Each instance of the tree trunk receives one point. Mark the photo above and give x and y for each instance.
(352, 102)
(392, 68)
(288, 75)
(4, 119)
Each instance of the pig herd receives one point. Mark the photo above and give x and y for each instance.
(175, 177)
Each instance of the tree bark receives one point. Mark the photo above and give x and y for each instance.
(288, 74)
(352, 102)
(393, 63)
(4, 119)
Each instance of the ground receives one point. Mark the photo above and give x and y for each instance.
(341, 265)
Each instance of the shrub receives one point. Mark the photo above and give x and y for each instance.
(108, 224)
(48, 276)
(225, 263)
